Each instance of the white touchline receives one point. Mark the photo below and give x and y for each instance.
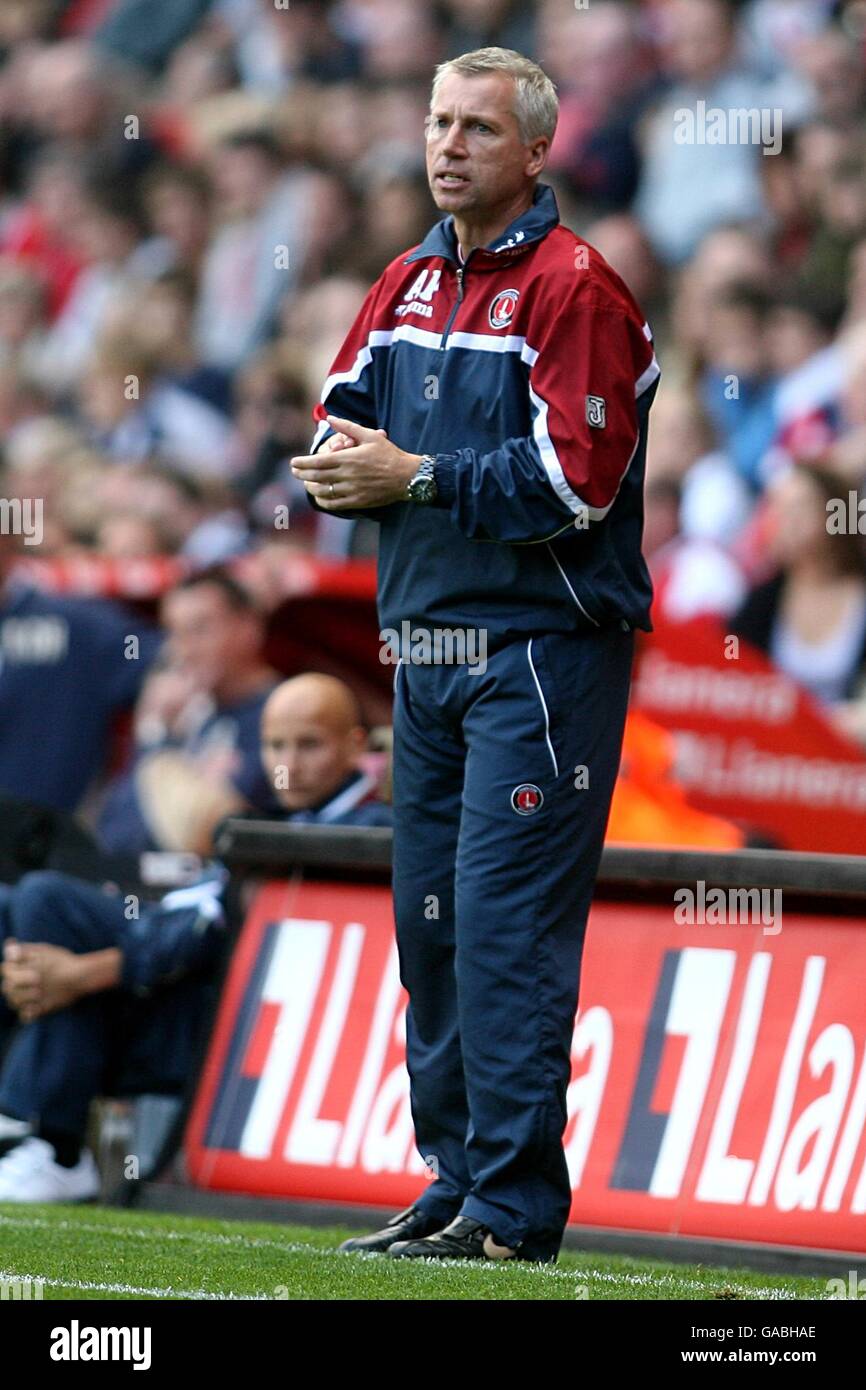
(88, 1285)
(301, 1248)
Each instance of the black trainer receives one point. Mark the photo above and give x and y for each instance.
(463, 1239)
(407, 1225)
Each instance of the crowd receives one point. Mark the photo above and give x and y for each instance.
(195, 197)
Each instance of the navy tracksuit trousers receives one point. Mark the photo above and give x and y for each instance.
(501, 787)
(112, 1043)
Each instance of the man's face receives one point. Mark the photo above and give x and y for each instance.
(476, 160)
(304, 757)
(207, 638)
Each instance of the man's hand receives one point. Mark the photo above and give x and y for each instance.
(366, 471)
(165, 701)
(38, 979)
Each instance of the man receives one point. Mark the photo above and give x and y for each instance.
(312, 738)
(196, 725)
(68, 667)
(113, 1002)
(489, 408)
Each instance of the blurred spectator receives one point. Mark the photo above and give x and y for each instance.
(597, 57)
(621, 240)
(730, 256)
(68, 667)
(842, 223)
(480, 23)
(809, 368)
(259, 251)
(75, 95)
(177, 200)
(36, 233)
(134, 411)
(834, 66)
(846, 455)
(196, 724)
(695, 506)
(399, 39)
(775, 30)
(810, 618)
(278, 46)
(737, 386)
(688, 186)
(137, 31)
(160, 318)
(272, 418)
(22, 316)
(21, 20)
(197, 519)
(109, 236)
(317, 317)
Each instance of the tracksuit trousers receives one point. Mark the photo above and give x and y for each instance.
(502, 784)
(112, 1043)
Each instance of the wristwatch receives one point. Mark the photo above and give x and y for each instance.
(422, 488)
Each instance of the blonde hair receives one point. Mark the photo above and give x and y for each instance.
(536, 104)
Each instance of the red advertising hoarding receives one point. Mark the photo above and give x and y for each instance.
(752, 745)
(719, 1071)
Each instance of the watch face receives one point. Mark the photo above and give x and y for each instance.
(422, 489)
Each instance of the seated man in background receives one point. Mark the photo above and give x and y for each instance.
(312, 739)
(113, 1003)
(196, 724)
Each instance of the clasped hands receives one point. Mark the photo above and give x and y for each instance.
(38, 978)
(356, 467)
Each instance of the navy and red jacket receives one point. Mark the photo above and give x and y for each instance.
(528, 372)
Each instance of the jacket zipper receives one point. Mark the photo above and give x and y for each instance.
(458, 302)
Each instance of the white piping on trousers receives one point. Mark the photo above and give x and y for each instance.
(543, 706)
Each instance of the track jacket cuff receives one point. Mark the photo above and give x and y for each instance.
(445, 475)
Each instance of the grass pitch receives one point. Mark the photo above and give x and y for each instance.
(104, 1253)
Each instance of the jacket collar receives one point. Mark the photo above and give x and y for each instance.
(533, 224)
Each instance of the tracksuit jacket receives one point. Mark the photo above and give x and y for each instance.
(528, 371)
